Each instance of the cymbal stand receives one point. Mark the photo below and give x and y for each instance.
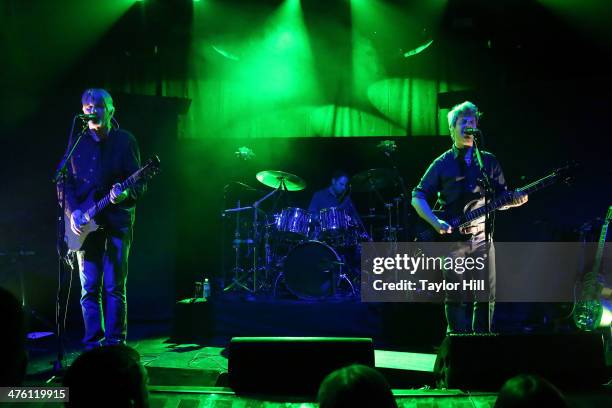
(404, 191)
(392, 227)
(281, 187)
(398, 219)
(236, 244)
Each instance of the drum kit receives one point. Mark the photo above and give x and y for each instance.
(311, 256)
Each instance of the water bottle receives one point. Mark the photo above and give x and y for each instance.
(198, 290)
(206, 289)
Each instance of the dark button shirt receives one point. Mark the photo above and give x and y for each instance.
(453, 182)
(96, 166)
(325, 199)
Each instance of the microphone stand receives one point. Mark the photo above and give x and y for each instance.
(488, 189)
(59, 179)
(488, 194)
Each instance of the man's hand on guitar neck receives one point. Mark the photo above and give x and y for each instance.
(116, 195)
(442, 227)
(518, 199)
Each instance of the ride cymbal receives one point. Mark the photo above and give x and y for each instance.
(372, 180)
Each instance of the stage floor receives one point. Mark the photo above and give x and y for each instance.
(187, 361)
(194, 375)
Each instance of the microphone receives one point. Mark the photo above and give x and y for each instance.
(87, 116)
(471, 131)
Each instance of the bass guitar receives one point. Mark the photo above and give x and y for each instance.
(474, 212)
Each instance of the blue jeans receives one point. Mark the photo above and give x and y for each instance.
(103, 269)
(466, 311)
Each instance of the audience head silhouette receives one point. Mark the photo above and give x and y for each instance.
(12, 341)
(355, 386)
(110, 376)
(528, 391)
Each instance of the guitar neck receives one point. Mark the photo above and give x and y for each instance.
(602, 241)
(502, 201)
(105, 201)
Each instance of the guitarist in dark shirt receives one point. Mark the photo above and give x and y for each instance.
(454, 178)
(104, 157)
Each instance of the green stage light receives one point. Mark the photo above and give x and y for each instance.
(47, 39)
(590, 16)
(385, 35)
(251, 80)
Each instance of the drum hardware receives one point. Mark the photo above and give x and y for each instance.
(282, 249)
(372, 180)
(391, 229)
(256, 204)
(343, 276)
(389, 148)
(372, 217)
(240, 277)
(281, 182)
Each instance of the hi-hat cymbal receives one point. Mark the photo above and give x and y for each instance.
(276, 178)
(371, 180)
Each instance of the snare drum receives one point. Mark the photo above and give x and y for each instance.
(293, 223)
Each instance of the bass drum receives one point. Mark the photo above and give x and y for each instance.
(310, 270)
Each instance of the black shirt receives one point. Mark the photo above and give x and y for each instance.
(325, 199)
(96, 166)
(452, 181)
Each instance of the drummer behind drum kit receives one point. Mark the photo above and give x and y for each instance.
(313, 256)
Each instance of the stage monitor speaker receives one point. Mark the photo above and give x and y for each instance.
(484, 362)
(291, 365)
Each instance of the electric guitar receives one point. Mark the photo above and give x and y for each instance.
(474, 212)
(589, 309)
(91, 207)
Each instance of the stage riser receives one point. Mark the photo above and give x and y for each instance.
(219, 321)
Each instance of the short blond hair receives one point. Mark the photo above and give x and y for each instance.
(97, 94)
(461, 109)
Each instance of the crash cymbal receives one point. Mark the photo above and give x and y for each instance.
(274, 179)
(371, 180)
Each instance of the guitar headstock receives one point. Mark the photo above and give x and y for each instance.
(150, 168)
(568, 172)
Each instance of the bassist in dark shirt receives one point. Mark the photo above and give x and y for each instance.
(454, 178)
